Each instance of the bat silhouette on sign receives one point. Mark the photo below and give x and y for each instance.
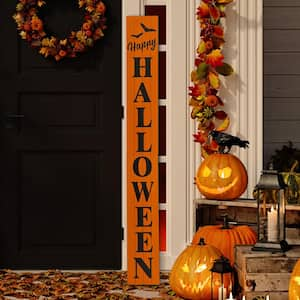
(137, 35)
(145, 28)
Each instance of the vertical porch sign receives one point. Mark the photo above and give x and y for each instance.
(142, 150)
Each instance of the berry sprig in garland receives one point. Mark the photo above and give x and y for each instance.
(32, 29)
(209, 64)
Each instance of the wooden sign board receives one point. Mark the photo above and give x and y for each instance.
(142, 150)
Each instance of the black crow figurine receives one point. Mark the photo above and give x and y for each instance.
(226, 141)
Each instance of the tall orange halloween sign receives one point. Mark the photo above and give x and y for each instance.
(142, 150)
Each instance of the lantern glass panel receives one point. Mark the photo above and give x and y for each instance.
(270, 196)
(269, 211)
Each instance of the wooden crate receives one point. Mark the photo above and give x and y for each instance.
(262, 295)
(261, 272)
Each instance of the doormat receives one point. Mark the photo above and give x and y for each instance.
(56, 284)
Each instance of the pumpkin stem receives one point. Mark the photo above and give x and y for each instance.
(225, 222)
(201, 242)
(295, 164)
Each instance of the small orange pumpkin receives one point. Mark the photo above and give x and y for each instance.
(191, 277)
(224, 237)
(222, 176)
(294, 285)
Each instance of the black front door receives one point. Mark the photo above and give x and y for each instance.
(60, 146)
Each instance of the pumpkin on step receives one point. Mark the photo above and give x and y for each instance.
(222, 176)
(225, 237)
(191, 276)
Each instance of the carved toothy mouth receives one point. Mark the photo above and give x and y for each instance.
(219, 190)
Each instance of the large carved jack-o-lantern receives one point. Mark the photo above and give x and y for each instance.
(294, 284)
(222, 176)
(191, 276)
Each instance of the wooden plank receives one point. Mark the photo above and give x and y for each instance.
(281, 40)
(281, 3)
(281, 108)
(273, 295)
(251, 203)
(240, 202)
(270, 264)
(263, 282)
(283, 86)
(282, 131)
(282, 63)
(265, 262)
(281, 18)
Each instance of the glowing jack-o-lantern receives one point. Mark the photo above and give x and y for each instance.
(294, 285)
(222, 176)
(191, 276)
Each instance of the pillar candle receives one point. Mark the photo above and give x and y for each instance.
(221, 290)
(272, 225)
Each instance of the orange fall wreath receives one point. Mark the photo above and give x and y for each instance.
(31, 28)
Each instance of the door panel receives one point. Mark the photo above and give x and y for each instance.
(60, 147)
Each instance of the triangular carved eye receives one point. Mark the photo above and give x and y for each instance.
(225, 172)
(201, 268)
(206, 172)
(185, 268)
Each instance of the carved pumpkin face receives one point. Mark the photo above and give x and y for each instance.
(191, 276)
(221, 176)
(294, 285)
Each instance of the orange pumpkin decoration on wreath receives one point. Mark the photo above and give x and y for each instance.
(222, 176)
(191, 276)
(225, 237)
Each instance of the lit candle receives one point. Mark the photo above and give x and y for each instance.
(272, 225)
(267, 297)
(222, 293)
(230, 297)
(244, 297)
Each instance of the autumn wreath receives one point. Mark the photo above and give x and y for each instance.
(31, 28)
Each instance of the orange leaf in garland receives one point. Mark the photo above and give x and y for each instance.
(218, 31)
(203, 10)
(214, 13)
(215, 58)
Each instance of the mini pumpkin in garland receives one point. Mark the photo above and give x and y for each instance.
(225, 237)
(32, 29)
(190, 276)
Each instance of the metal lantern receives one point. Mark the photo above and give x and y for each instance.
(269, 193)
(221, 266)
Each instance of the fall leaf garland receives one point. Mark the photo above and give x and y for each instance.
(31, 28)
(209, 64)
